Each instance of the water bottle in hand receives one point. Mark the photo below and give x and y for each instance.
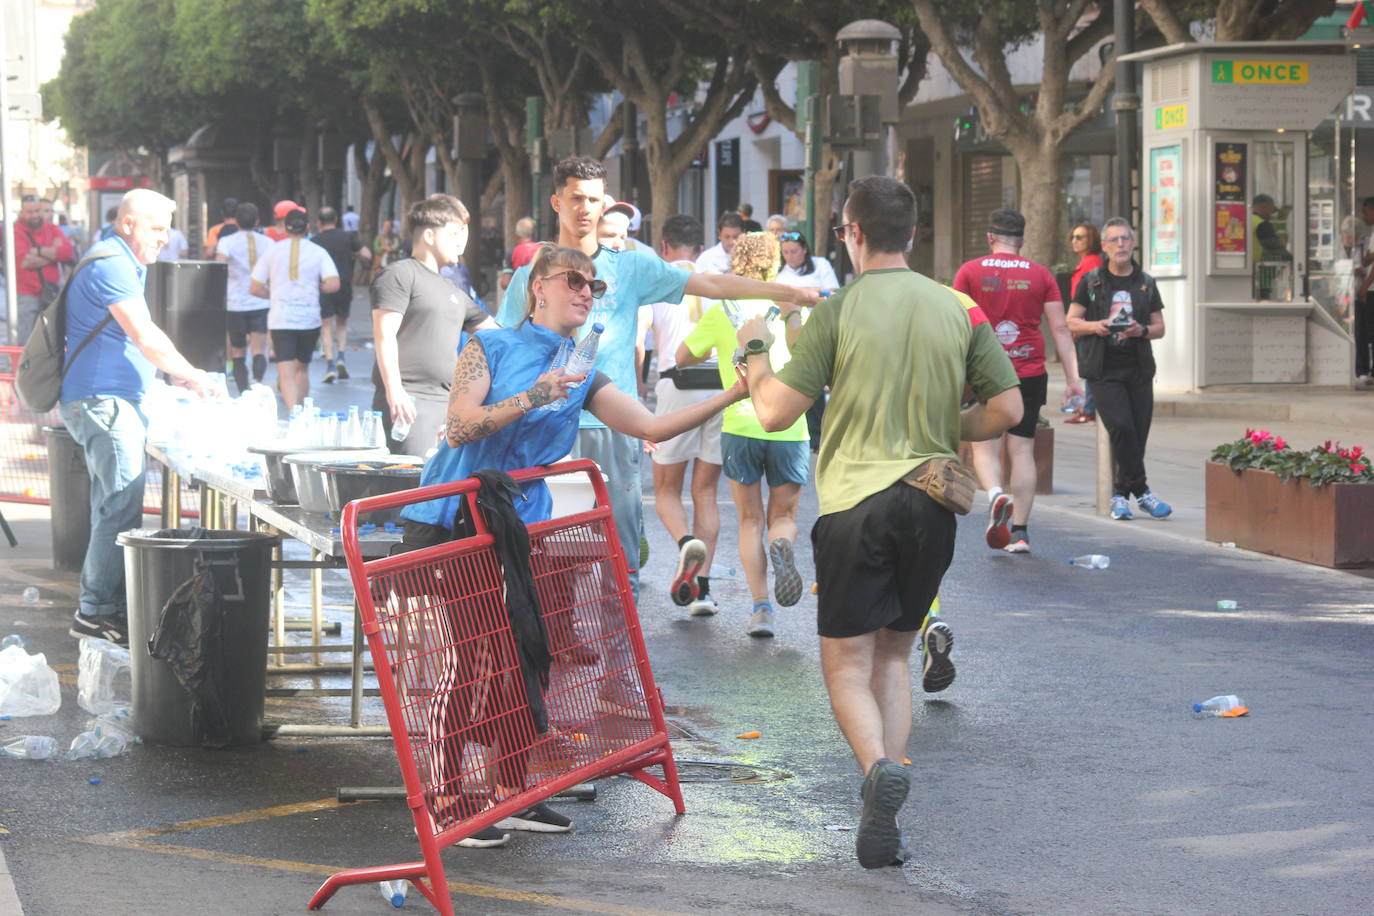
(400, 429)
(1073, 404)
(29, 747)
(1218, 705)
(584, 357)
(1092, 561)
(394, 892)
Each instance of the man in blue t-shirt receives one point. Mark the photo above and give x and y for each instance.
(102, 391)
(633, 278)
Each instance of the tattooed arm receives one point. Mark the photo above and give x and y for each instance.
(469, 419)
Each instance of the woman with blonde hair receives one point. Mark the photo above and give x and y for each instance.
(748, 452)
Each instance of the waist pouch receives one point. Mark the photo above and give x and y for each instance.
(946, 481)
(700, 377)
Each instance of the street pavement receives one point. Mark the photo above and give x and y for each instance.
(1063, 772)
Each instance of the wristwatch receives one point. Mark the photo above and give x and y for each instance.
(755, 347)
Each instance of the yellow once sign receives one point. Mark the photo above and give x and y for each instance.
(1260, 72)
(1170, 116)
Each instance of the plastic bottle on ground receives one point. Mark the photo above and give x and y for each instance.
(96, 746)
(394, 892)
(30, 596)
(1092, 561)
(103, 676)
(1218, 705)
(14, 639)
(29, 747)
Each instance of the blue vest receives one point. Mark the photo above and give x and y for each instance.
(515, 358)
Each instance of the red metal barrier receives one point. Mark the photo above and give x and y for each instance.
(448, 673)
(24, 451)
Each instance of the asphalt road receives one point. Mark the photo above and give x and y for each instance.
(1063, 771)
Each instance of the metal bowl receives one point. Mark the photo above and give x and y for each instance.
(345, 481)
(305, 473)
(281, 486)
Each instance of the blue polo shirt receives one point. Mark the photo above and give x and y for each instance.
(111, 365)
(633, 278)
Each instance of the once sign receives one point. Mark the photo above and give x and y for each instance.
(1260, 72)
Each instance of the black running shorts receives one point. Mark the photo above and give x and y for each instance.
(291, 344)
(879, 564)
(1033, 394)
(241, 324)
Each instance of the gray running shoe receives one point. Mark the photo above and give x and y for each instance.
(879, 840)
(787, 582)
(761, 621)
(937, 672)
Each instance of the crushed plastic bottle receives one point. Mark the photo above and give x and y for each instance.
(1092, 561)
(30, 596)
(28, 686)
(29, 747)
(96, 746)
(14, 639)
(1228, 706)
(1227, 604)
(103, 678)
(394, 892)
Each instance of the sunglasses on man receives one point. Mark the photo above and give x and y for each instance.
(576, 283)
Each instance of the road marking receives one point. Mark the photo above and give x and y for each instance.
(138, 840)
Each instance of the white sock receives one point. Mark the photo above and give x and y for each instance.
(993, 494)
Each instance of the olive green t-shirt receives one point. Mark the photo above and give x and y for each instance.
(896, 349)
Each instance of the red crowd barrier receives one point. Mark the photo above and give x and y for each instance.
(24, 450)
(447, 668)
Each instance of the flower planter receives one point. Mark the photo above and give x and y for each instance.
(1044, 460)
(1328, 525)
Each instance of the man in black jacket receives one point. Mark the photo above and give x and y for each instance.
(1115, 313)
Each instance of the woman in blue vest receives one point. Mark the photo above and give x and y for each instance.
(508, 410)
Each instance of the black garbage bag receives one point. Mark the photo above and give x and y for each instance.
(190, 638)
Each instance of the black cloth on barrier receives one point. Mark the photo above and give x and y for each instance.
(496, 498)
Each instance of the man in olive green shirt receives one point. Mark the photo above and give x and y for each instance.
(896, 350)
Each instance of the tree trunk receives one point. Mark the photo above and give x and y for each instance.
(1038, 164)
(373, 172)
(516, 181)
(312, 188)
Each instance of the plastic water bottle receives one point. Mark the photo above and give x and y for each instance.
(353, 429)
(14, 639)
(29, 747)
(583, 359)
(96, 746)
(1073, 404)
(1092, 561)
(327, 435)
(30, 596)
(400, 429)
(394, 892)
(1218, 705)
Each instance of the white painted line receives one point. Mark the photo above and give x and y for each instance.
(9, 896)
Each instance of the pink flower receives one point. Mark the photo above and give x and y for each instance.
(1357, 452)
(1356, 467)
(1279, 444)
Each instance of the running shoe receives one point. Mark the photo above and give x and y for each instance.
(329, 377)
(937, 671)
(761, 622)
(341, 370)
(879, 840)
(1020, 544)
(787, 582)
(999, 521)
(536, 819)
(620, 696)
(690, 558)
(1121, 509)
(1152, 504)
(486, 838)
(112, 627)
(704, 606)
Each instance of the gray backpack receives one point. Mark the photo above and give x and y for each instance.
(44, 363)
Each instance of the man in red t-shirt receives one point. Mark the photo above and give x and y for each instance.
(1014, 293)
(40, 248)
(525, 246)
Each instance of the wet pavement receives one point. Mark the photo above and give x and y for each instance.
(1062, 772)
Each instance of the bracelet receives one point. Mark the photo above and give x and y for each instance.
(520, 402)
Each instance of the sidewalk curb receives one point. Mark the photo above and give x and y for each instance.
(9, 895)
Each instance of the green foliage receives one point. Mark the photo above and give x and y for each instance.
(1323, 464)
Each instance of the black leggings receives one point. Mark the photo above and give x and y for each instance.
(1125, 405)
(1364, 333)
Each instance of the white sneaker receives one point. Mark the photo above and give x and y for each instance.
(761, 622)
(705, 606)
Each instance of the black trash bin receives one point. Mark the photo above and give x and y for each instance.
(69, 489)
(198, 619)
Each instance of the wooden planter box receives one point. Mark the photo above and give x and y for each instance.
(1044, 460)
(1329, 526)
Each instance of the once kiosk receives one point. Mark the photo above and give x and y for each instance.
(1230, 220)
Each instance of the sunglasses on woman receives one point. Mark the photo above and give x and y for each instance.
(576, 282)
(791, 236)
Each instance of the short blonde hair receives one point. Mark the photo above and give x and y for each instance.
(549, 258)
(757, 255)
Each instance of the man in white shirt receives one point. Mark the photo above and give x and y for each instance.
(292, 275)
(679, 242)
(245, 317)
(350, 220)
(716, 259)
